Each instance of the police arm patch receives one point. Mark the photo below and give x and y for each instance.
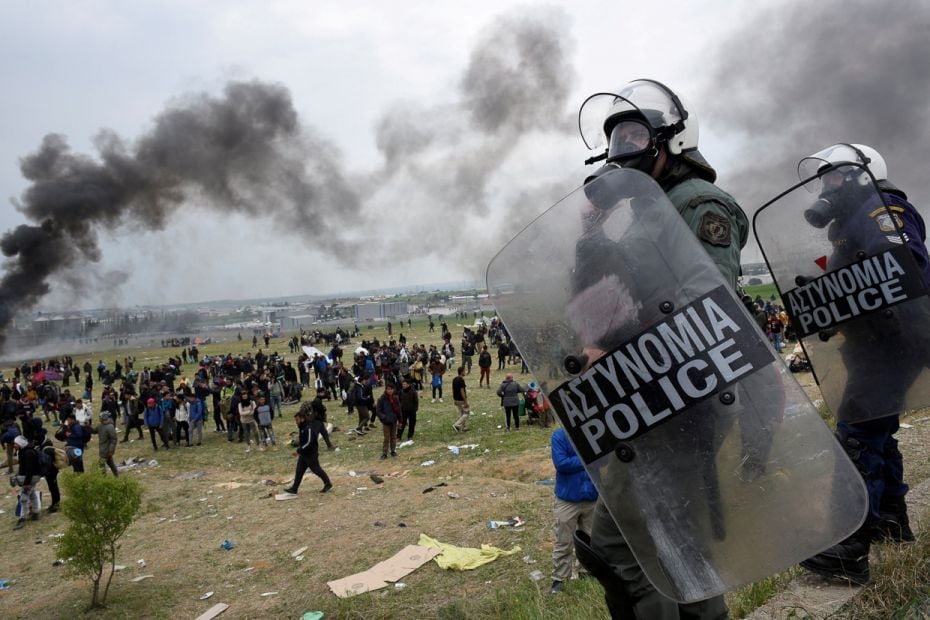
(714, 229)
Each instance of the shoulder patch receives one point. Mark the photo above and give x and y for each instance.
(887, 222)
(714, 229)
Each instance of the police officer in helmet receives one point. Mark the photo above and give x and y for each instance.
(882, 358)
(647, 126)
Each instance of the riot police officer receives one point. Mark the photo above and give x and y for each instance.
(648, 127)
(876, 350)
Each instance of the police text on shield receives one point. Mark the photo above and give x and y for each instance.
(860, 288)
(688, 357)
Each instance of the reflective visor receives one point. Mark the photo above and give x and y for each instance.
(820, 163)
(629, 138)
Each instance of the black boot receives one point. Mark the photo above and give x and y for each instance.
(893, 524)
(847, 560)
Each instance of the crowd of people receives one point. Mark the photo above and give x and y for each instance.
(379, 382)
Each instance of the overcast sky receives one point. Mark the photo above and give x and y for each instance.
(413, 110)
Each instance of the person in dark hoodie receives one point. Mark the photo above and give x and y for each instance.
(308, 452)
(409, 405)
(27, 477)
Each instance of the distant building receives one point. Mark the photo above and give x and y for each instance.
(371, 311)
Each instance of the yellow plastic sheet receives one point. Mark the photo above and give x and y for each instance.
(463, 558)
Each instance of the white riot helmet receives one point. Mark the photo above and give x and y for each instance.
(821, 163)
(647, 112)
(841, 175)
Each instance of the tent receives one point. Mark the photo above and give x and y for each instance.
(311, 351)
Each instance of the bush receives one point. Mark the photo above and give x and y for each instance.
(101, 508)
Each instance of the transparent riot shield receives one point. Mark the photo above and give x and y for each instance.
(711, 459)
(853, 293)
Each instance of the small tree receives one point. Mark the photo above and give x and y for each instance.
(101, 508)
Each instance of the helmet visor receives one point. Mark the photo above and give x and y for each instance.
(629, 138)
(645, 97)
(819, 165)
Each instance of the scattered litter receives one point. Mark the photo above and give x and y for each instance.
(227, 544)
(434, 487)
(248, 569)
(153, 463)
(141, 563)
(902, 425)
(268, 593)
(528, 560)
(500, 426)
(6, 583)
(162, 519)
(202, 499)
(464, 558)
(400, 585)
(515, 522)
(299, 558)
(361, 488)
(454, 450)
(378, 576)
(56, 535)
(229, 518)
(376, 478)
(39, 541)
(268, 483)
(281, 497)
(428, 463)
(401, 524)
(58, 562)
(213, 612)
(193, 475)
(300, 551)
(141, 578)
(206, 596)
(230, 485)
(536, 575)
(404, 444)
(379, 523)
(546, 482)
(452, 495)
(119, 568)
(312, 615)
(352, 473)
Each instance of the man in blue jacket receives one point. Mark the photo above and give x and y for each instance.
(575, 498)
(154, 420)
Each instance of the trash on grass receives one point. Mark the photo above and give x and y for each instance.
(464, 558)
(427, 463)
(515, 522)
(141, 563)
(268, 593)
(546, 482)
(213, 612)
(536, 575)
(452, 495)
(378, 576)
(434, 487)
(206, 596)
(227, 544)
(404, 444)
(528, 560)
(141, 578)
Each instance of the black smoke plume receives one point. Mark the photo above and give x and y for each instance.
(799, 77)
(248, 152)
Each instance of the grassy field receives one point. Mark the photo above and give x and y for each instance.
(198, 497)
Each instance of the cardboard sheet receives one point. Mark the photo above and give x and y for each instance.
(378, 576)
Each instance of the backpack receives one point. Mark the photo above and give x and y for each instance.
(61, 459)
(45, 461)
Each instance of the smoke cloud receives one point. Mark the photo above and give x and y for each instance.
(802, 76)
(248, 152)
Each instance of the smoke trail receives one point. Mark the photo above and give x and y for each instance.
(441, 161)
(243, 152)
(800, 77)
(247, 152)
